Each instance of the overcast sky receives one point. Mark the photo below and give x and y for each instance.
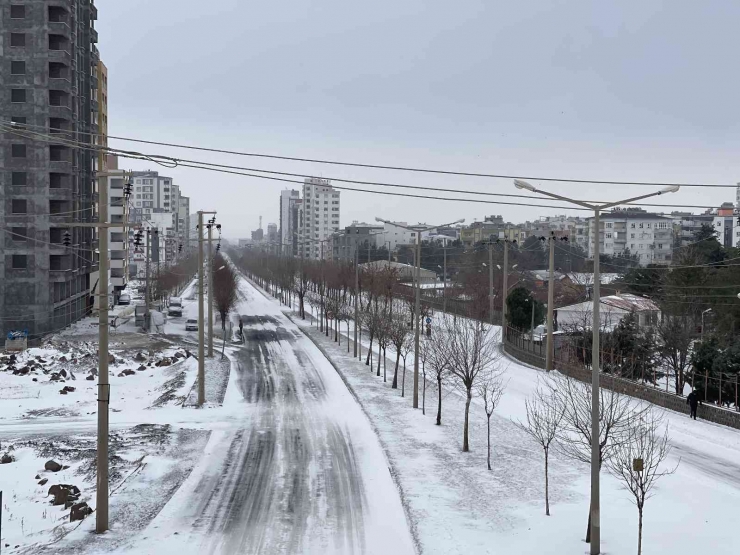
(638, 90)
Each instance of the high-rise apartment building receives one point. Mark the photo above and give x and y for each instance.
(183, 224)
(321, 213)
(49, 85)
(289, 200)
(632, 230)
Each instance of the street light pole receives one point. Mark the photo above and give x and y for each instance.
(418, 230)
(210, 287)
(505, 294)
(444, 279)
(490, 280)
(357, 297)
(596, 324)
(550, 304)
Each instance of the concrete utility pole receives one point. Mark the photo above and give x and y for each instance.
(101, 508)
(147, 296)
(444, 277)
(357, 296)
(595, 548)
(490, 280)
(550, 303)
(504, 295)
(210, 286)
(201, 326)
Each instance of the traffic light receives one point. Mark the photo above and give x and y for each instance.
(67, 239)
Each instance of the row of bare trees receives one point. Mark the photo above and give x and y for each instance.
(632, 442)
(462, 353)
(170, 280)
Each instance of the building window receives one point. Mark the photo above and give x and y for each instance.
(648, 225)
(632, 235)
(18, 39)
(17, 67)
(20, 121)
(642, 246)
(17, 11)
(632, 246)
(18, 234)
(20, 262)
(18, 206)
(139, 204)
(18, 95)
(632, 225)
(608, 235)
(641, 225)
(609, 225)
(139, 182)
(18, 151)
(19, 178)
(660, 245)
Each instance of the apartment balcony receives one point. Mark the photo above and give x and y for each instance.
(61, 112)
(116, 210)
(60, 55)
(117, 246)
(93, 35)
(118, 282)
(118, 263)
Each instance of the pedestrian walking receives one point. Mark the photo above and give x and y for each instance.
(693, 401)
(241, 328)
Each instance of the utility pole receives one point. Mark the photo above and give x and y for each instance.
(147, 295)
(101, 508)
(444, 278)
(595, 548)
(550, 303)
(210, 286)
(531, 329)
(504, 295)
(417, 317)
(490, 279)
(357, 296)
(201, 349)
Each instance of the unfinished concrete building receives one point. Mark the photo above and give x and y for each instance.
(48, 67)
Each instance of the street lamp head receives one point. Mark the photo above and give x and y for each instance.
(377, 219)
(520, 184)
(670, 189)
(460, 221)
(514, 266)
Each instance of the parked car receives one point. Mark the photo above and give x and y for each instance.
(540, 334)
(124, 299)
(191, 325)
(175, 301)
(174, 310)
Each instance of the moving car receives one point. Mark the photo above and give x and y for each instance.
(175, 301)
(174, 310)
(191, 325)
(124, 299)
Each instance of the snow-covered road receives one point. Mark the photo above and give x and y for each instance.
(301, 469)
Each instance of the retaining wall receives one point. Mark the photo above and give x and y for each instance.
(658, 397)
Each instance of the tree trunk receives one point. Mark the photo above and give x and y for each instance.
(488, 426)
(403, 380)
(394, 385)
(547, 487)
(588, 530)
(439, 400)
(466, 445)
(369, 350)
(639, 532)
(385, 356)
(379, 357)
(348, 335)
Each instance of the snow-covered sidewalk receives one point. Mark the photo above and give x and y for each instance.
(460, 507)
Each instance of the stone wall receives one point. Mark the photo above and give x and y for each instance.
(658, 397)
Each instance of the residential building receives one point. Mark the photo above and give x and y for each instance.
(724, 221)
(633, 230)
(397, 234)
(183, 224)
(48, 82)
(578, 317)
(492, 227)
(321, 216)
(288, 217)
(272, 233)
(356, 237)
(118, 238)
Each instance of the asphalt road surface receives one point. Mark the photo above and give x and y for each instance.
(302, 470)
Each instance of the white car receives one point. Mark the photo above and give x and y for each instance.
(124, 299)
(191, 325)
(174, 310)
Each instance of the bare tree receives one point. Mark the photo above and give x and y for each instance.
(490, 388)
(636, 462)
(574, 437)
(675, 335)
(544, 420)
(224, 289)
(406, 348)
(472, 348)
(398, 333)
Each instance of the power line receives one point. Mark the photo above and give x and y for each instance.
(407, 168)
(172, 162)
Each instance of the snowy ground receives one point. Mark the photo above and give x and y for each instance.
(458, 506)
(156, 438)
